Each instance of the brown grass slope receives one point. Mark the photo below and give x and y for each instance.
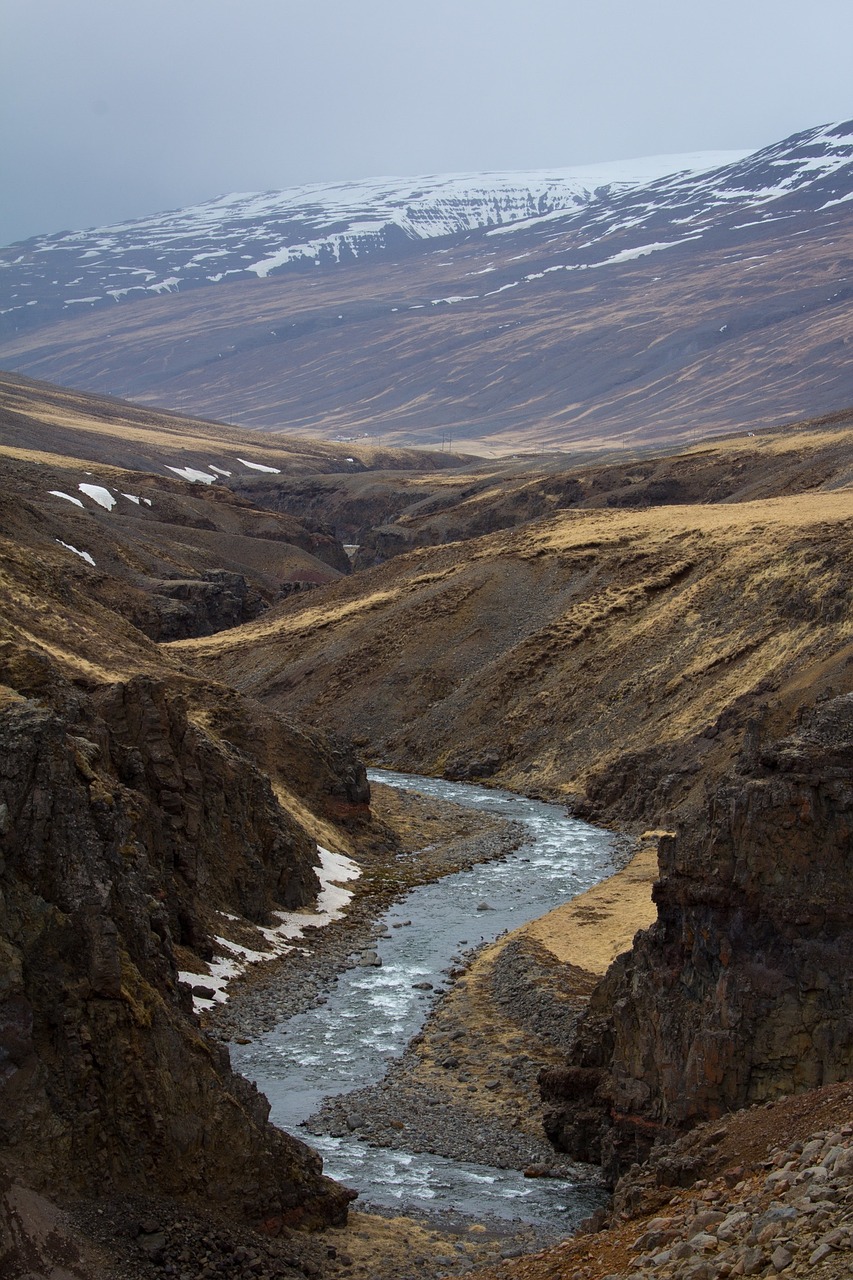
(747, 326)
(614, 653)
(175, 558)
(387, 512)
(102, 429)
(138, 803)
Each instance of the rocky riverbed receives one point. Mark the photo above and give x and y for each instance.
(476, 1112)
(151, 1237)
(268, 993)
(764, 1192)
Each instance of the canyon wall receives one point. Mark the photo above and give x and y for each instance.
(125, 825)
(741, 991)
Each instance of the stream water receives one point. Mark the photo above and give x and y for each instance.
(371, 1013)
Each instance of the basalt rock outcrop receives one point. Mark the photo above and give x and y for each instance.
(740, 992)
(197, 606)
(125, 824)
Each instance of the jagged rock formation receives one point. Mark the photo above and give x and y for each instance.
(125, 825)
(741, 990)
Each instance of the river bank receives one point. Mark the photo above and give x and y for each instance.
(465, 1086)
(431, 839)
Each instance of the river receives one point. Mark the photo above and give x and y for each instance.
(371, 1013)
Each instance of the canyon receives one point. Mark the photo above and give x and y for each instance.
(193, 678)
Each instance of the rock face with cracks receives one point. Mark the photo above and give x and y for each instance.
(122, 822)
(740, 992)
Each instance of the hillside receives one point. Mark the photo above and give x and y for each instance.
(152, 822)
(615, 654)
(652, 313)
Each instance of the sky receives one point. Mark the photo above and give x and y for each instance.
(113, 110)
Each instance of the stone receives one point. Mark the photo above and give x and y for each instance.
(753, 1261)
(781, 1257)
(733, 1225)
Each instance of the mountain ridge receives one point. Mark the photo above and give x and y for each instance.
(687, 307)
(313, 224)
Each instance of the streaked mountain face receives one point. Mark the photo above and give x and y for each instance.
(251, 236)
(513, 309)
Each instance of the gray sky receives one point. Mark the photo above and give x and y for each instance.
(111, 110)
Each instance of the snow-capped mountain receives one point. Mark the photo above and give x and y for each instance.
(253, 235)
(616, 210)
(808, 172)
(613, 303)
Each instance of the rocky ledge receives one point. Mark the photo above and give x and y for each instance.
(797, 1221)
(740, 992)
(123, 824)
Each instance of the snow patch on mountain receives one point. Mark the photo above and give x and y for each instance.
(259, 466)
(193, 475)
(98, 494)
(84, 555)
(255, 234)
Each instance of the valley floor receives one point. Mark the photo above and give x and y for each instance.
(772, 1187)
(465, 1083)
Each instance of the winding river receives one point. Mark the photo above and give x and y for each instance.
(371, 1013)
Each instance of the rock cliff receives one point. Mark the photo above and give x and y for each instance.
(740, 992)
(125, 824)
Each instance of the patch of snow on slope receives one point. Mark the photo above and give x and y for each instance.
(625, 255)
(99, 494)
(190, 473)
(84, 555)
(57, 493)
(259, 466)
(459, 297)
(220, 471)
(841, 200)
(334, 871)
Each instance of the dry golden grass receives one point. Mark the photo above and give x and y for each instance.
(597, 926)
(43, 422)
(569, 642)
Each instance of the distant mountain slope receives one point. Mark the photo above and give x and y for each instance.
(693, 304)
(244, 235)
(808, 172)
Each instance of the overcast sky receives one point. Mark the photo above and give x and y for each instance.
(112, 110)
